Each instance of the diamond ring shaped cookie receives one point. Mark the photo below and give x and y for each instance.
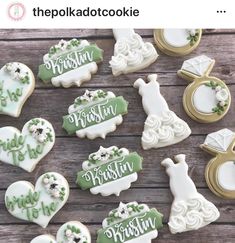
(131, 53)
(207, 99)
(162, 126)
(40, 203)
(26, 148)
(95, 114)
(17, 83)
(70, 232)
(220, 169)
(109, 171)
(70, 63)
(131, 222)
(177, 42)
(189, 210)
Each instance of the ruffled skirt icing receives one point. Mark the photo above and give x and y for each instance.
(161, 131)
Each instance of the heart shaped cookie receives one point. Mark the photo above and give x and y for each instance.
(25, 149)
(16, 85)
(40, 203)
(69, 232)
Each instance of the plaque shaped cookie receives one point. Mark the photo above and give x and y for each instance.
(221, 168)
(131, 222)
(162, 126)
(131, 53)
(177, 42)
(109, 171)
(70, 63)
(17, 83)
(189, 210)
(206, 99)
(26, 148)
(40, 203)
(70, 232)
(95, 114)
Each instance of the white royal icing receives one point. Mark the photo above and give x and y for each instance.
(190, 210)
(66, 234)
(162, 126)
(14, 92)
(226, 177)
(34, 137)
(131, 53)
(49, 187)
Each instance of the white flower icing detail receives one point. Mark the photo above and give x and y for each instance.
(62, 45)
(75, 238)
(192, 32)
(16, 71)
(39, 132)
(123, 211)
(103, 154)
(222, 95)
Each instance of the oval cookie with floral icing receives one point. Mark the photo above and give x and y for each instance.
(95, 114)
(17, 83)
(40, 203)
(109, 171)
(70, 63)
(131, 222)
(70, 232)
(26, 148)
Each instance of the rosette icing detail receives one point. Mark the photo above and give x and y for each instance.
(132, 54)
(164, 130)
(192, 214)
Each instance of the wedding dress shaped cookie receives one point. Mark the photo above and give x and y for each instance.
(162, 126)
(70, 232)
(131, 53)
(190, 210)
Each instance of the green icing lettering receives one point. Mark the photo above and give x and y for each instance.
(95, 114)
(110, 171)
(69, 61)
(14, 96)
(131, 228)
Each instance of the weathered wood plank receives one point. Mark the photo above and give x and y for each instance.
(222, 49)
(93, 208)
(79, 33)
(41, 104)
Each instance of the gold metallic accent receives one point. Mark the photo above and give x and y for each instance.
(171, 50)
(212, 168)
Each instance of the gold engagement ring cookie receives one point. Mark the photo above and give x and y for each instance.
(221, 168)
(177, 42)
(206, 99)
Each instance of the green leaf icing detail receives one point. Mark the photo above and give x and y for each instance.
(129, 222)
(94, 113)
(68, 57)
(193, 38)
(74, 234)
(111, 170)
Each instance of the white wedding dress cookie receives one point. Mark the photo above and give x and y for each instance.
(131, 53)
(190, 210)
(70, 232)
(162, 126)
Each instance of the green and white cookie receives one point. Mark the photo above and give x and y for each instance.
(70, 63)
(70, 232)
(26, 148)
(40, 203)
(95, 114)
(109, 171)
(131, 223)
(17, 83)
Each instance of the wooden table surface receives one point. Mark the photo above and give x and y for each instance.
(29, 46)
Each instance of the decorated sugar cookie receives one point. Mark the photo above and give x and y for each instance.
(26, 148)
(189, 210)
(95, 114)
(131, 53)
(109, 171)
(70, 232)
(162, 126)
(207, 99)
(131, 222)
(70, 63)
(221, 168)
(17, 83)
(177, 42)
(40, 203)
